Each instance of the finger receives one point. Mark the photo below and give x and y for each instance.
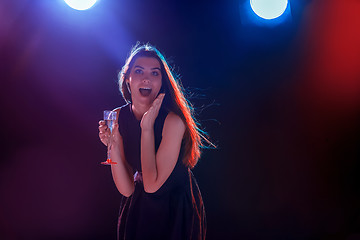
(159, 101)
(101, 122)
(161, 95)
(103, 135)
(154, 104)
(104, 138)
(103, 129)
(103, 126)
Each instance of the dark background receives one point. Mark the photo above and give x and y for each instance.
(282, 102)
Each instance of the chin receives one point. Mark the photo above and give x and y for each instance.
(146, 100)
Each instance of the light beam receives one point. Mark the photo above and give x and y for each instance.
(269, 9)
(80, 4)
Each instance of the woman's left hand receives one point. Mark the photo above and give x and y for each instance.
(148, 119)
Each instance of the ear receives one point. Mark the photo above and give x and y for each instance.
(128, 85)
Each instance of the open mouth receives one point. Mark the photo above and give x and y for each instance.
(145, 91)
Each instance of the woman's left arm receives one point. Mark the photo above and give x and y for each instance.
(157, 166)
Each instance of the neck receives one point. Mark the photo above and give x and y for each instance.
(139, 109)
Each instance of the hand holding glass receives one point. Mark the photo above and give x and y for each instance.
(109, 117)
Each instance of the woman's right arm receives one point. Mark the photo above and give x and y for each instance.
(121, 172)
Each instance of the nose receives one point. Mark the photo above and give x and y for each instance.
(146, 79)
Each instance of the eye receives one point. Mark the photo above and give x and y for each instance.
(138, 71)
(155, 73)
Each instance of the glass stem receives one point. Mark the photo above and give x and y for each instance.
(109, 147)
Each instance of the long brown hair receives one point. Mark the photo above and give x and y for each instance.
(174, 101)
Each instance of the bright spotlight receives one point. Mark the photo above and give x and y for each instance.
(269, 9)
(80, 4)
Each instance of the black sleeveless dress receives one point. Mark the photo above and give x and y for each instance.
(176, 210)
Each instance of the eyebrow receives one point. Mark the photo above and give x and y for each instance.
(137, 66)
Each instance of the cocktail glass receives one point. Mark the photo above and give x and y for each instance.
(109, 117)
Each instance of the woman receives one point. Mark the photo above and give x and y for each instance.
(155, 144)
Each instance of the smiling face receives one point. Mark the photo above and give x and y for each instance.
(145, 80)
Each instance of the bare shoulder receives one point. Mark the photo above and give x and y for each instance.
(174, 123)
